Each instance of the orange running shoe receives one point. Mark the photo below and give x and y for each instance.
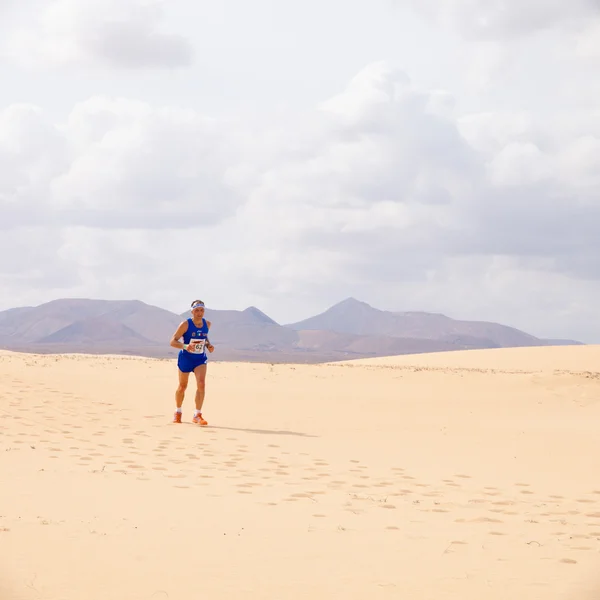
(199, 419)
(177, 417)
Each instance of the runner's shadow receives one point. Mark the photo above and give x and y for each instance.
(262, 431)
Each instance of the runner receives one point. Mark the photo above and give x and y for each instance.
(192, 358)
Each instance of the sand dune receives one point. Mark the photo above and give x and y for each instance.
(525, 359)
(465, 476)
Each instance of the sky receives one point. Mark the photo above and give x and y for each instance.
(418, 155)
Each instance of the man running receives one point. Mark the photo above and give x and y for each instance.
(192, 358)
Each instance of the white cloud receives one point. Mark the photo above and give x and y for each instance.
(108, 33)
(510, 46)
(116, 164)
(163, 161)
(386, 192)
(588, 41)
(32, 152)
(490, 132)
(520, 164)
(489, 19)
(490, 63)
(580, 163)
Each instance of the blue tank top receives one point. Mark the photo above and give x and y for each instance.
(195, 333)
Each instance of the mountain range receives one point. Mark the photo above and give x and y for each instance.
(348, 329)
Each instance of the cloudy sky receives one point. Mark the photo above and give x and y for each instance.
(437, 155)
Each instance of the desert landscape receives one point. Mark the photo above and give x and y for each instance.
(389, 212)
(450, 475)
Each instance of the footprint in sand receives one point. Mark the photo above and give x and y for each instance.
(483, 520)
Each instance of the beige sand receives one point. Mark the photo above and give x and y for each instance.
(472, 476)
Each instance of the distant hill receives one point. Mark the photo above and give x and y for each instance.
(349, 329)
(248, 330)
(33, 324)
(93, 331)
(359, 318)
(249, 316)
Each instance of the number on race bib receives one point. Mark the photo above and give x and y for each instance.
(197, 346)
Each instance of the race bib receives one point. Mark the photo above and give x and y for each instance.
(196, 346)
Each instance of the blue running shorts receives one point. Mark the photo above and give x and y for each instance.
(187, 362)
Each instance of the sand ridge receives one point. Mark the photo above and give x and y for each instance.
(439, 476)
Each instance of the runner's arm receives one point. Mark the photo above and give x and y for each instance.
(175, 343)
